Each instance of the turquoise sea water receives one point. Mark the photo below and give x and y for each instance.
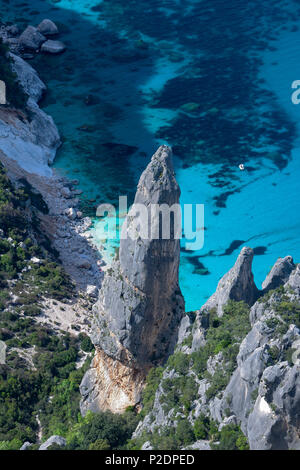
(211, 79)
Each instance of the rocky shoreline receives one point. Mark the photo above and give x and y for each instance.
(33, 39)
(27, 146)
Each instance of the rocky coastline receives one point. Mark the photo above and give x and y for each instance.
(28, 144)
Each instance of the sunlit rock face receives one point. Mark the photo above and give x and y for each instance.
(140, 304)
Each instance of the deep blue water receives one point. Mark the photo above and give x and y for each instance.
(210, 78)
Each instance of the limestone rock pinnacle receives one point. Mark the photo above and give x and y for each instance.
(140, 304)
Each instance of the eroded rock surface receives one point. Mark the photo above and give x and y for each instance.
(140, 304)
(237, 284)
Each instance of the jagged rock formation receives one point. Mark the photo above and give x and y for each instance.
(264, 391)
(237, 284)
(140, 304)
(262, 394)
(279, 274)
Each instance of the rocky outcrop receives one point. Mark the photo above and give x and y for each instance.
(27, 76)
(199, 445)
(26, 446)
(3, 348)
(56, 441)
(140, 304)
(47, 28)
(275, 420)
(262, 394)
(31, 38)
(279, 274)
(237, 284)
(53, 47)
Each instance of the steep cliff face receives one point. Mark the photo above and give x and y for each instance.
(243, 366)
(140, 304)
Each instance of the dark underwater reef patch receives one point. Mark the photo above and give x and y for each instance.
(220, 200)
(231, 126)
(199, 267)
(225, 124)
(119, 150)
(234, 245)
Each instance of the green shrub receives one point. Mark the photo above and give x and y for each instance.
(179, 393)
(231, 438)
(85, 343)
(152, 383)
(102, 429)
(180, 362)
(289, 311)
(202, 427)
(100, 444)
(288, 356)
(184, 433)
(14, 444)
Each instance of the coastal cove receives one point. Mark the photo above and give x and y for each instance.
(218, 96)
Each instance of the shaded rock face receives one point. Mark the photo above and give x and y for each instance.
(140, 304)
(26, 446)
(237, 284)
